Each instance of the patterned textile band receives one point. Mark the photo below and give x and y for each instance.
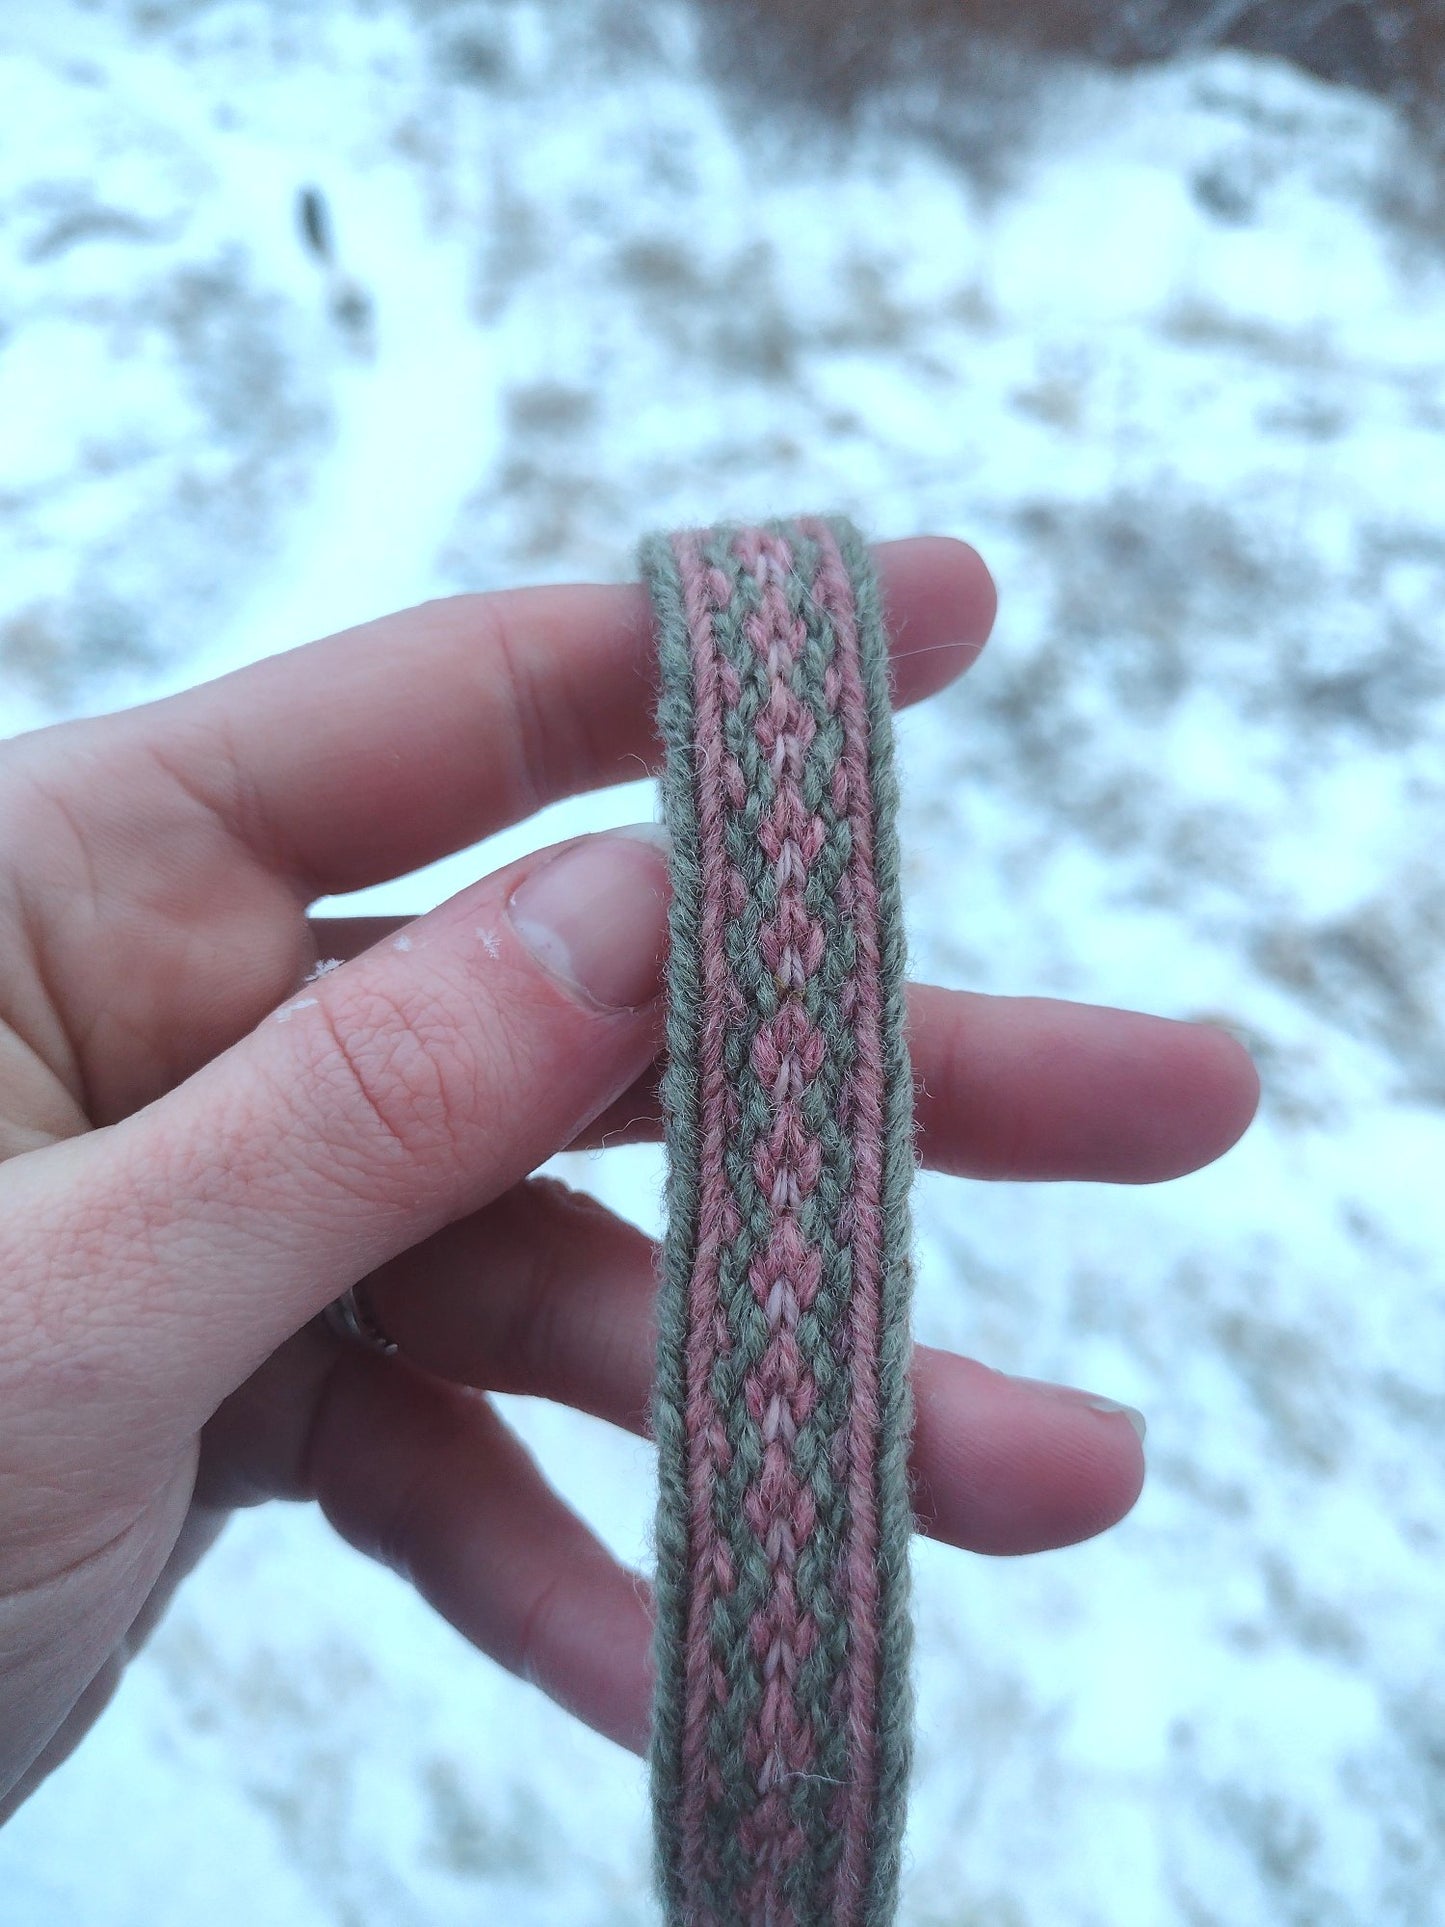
(782, 1722)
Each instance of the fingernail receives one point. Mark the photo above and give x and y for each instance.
(595, 916)
(1108, 1405)
(1073, 1396)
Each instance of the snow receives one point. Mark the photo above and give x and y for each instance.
(1182, 381)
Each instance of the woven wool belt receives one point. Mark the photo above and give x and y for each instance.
(782, 1721)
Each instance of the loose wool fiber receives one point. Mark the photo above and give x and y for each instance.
(783, 1715)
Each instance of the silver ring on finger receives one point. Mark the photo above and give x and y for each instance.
(350, 1317)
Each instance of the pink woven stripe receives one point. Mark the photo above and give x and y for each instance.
(781, 1391)
(864, 1124)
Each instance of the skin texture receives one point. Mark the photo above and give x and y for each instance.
(202, 1149)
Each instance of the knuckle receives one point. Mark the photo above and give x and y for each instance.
(404, 1074)
(529, 730)
(528, 1344)
(535, 1640)
(542, 1298)
(552, 1337)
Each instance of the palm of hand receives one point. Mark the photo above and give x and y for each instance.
(189, 1181)
(137, 945)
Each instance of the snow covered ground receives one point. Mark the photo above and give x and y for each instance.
(1177, 370)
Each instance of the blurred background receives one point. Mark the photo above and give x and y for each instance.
(308, 313)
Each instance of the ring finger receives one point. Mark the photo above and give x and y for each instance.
(547, 1293)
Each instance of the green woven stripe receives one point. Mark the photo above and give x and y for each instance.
(680, 1098)
(895, 1508)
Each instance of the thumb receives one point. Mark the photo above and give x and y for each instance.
(390, 1096)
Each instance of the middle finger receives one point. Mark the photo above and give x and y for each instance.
(1012, 1087)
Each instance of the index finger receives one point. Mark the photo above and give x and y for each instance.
(375, 751)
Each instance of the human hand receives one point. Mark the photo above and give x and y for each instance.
(203, 1148)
